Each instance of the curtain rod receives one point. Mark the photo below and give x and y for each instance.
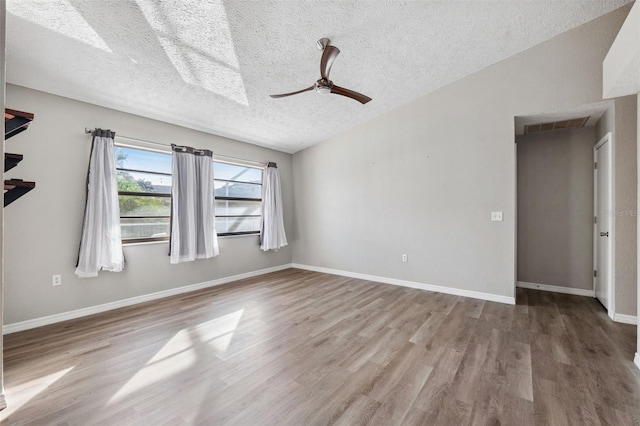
(221, 157)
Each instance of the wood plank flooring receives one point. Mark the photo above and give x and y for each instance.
(304, 348)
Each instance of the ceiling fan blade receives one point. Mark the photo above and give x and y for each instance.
(292, 93)
(329, 54)
(350, 94)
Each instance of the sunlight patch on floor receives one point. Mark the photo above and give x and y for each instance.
(181, 353)
(218, 332)
(29, 390)
(174, 357)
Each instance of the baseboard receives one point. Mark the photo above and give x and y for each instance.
(412, 284)
(625, 319)
(636, 360)
(52, 319)
(556, 289)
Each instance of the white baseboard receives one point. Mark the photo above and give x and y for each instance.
(556, 289)
(412, 284)
(636, 360)
(625, 319)
(52, 319)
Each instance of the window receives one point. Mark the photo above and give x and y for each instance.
(238, 194)
(144, 193)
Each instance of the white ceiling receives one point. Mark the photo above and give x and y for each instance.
(211, 64)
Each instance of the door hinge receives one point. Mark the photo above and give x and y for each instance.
(595, 273)
(595, 166)
(595, 220)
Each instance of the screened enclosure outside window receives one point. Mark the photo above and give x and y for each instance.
(238, 198)
(144, 193)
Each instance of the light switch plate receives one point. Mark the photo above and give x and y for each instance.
(496, 216)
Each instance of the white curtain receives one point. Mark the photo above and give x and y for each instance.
(101, 243)
(193, 233)
(272, 235)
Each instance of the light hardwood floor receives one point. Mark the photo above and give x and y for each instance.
(304, 348)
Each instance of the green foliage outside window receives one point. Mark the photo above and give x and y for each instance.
(131, 205)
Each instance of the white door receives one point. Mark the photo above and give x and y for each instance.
(602, 227)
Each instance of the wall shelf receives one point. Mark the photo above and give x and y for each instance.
(16, 188)
(11, 160)
(15, 122)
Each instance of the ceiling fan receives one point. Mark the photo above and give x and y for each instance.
(324, 85)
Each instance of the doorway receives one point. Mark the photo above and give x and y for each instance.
(555, 210)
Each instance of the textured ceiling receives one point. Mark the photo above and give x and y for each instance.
(211, 65)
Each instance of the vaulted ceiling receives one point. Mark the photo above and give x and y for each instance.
(211, 65)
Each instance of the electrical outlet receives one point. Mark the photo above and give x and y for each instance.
(405, 258)
(56, 280)
(496, 216)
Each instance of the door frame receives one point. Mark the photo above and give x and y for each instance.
(610, 218)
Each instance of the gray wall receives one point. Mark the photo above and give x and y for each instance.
(606, 123)
(42, 229)
(555, 208)
(626, 184)
(3, 16)
(637, 357)
(424, 178)
(620, 120)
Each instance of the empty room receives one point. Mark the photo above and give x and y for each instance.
(252, 212)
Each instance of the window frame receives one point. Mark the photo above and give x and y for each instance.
(215, 159)
(224, 198)
(143, 194)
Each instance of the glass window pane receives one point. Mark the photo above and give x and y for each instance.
(238, 190)
(144, 228)
(143, 182)
(131, 205)
(237, 208)
(238, 173)
(237, 224)
(139, 159)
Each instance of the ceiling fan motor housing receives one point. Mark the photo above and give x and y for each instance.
(323, 86)
(322, 43)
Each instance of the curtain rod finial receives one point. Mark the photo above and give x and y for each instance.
(87, 130)
(272, 164)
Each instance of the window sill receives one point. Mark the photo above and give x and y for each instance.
(238, 235)
(144, 243)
